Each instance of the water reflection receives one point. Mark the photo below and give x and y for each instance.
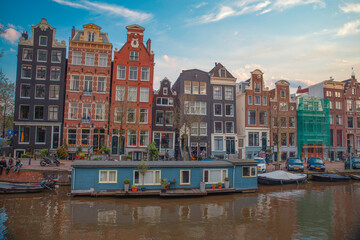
(312, 211)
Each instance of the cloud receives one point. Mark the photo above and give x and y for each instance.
(284, 4)
(108, 9)
(201, 5)
(351, 7)
(350, 28)
(12, 50)
(11, 35)
(171, 61)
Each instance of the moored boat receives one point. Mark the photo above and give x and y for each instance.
(281, 177)
(19, 188)
(355, 177)
(330, 177)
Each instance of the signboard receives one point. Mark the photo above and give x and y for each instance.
(10, 132)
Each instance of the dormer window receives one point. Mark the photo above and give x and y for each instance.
(257, 87)
(222, 73)
(165, 91)
(134, 56)
(89, 36)
(43, 41)
(93, 37)
(282, 93)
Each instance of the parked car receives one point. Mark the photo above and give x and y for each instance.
(261, 164)
(294, 164)
(355, 163)
(316, 164)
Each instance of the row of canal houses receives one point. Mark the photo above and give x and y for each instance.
(90, 100)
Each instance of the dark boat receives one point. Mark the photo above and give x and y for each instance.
(355, 177)
(19, 188)
(280, 178)
(330, 177)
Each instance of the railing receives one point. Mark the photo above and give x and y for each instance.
(85, 120)
(87, 93)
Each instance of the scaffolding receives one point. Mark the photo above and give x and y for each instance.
(313, 126)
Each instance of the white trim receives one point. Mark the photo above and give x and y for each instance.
(221, 110)
(47, 55)
(36, 135)
(242, 172)
(232, 110)
(107, 176)
(216, 169)
(181, 177)
(154, 178)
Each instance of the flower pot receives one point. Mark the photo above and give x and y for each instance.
(134, 189)
(213, 186)
(202, 187)
(220, 187)
(163, 190)
(126, 187)
(227, 184)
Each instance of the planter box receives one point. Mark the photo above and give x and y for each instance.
(126, 187)
(227, 184)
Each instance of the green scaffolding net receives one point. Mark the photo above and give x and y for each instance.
(313, 126)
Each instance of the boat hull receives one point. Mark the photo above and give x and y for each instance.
(355, 177)
(329, 178)
(271, 181)
(19, 188)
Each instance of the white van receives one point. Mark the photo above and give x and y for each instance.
(261, 164)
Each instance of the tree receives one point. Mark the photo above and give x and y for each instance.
(153, 151)
(142, 168)
(7, 95)
(185, 117)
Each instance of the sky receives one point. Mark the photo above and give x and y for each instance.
(302, 41)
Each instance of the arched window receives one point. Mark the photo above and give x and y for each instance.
(89, 36)
(93, 37)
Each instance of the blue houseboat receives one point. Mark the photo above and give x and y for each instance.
(100, 178)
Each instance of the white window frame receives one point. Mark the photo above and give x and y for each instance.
(52, 56)
(120, 93)
(73, 81)
(132, 97)
(107, 176)
(103, 59)
(36, 133)
(181, 177)
(76, 56)
(44, 50)
(220, 115)
(144, 94)
(58, 88)
(51, 70)
(133, 71)
(216, 169)
(154, 183)
(37, 68)
(24, 59)
(144, 113)
(232, 110)
(222, 128)
(90, 59)
(101, 83)
(250, 176)
(23, 84)
(46, 40)
(52, 113)
(259, 98)
(119, 71)
(39, 85)
(229, 97)
(145, 72)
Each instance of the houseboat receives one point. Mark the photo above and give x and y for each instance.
(181, 178)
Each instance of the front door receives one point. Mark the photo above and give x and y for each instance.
(230, 145)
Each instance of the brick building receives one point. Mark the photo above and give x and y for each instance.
(132, 95)
(87, 94)
(40, 84)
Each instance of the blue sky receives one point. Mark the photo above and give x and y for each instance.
(303, 41)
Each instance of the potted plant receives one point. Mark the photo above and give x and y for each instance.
(226, 182)
(164, 185)
(126, 185)
(213, 186)
(128, 157)
(134, 188)
(220, 185)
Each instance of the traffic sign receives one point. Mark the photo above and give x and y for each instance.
(10, 132)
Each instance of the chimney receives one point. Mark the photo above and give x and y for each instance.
(73, 32)
(148, 45)
(215, 64)
(25, 35)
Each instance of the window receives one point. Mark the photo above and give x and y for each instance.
(54, 91)
(165, 91)
(217, 92)
(27, 54)
(103, 60)
(214, 175)
(90, 59)
(120, 93)
(229, 110)
(144, 94)
(229, 126)
(253, 139)
(24, 112)
(24, 134)
(101, 84)
(144, 137)
(151, 177)
(131, 137)
(164, 140)
(121, 72)
(187, 86)
(71, 136)
(222, 73)
(283, 139)
(26, 71)
(338, 105)
(134, 56)
(107, 176)
(55, 73)
(357, 106)
(40, 91)
(132, 94)
(100, 112)
(25, 90)
(257, 100)
(331, 105)
(217, 109)
(337, 94)
(358, 122)
(338, 119)
(283, 122)
(86, 111)
(291, 139)
(195, 108)
(40, 135)
(275, 122)
(76, 58)
(263, 117)
(164, 101)
(131, 115)
(75, 83)
(73, 110)
(218, 144)
(184, 177)
(264, 101)
(159, 118)
(353, 91)
(133, 73)
(143, 118)
(350, 122)
(42, 55)
(118, 114)
(283, 106)
(53, 112)
(257, 87)
(339, 138)
(331, 117)
(203, 88)
(55, 56)
(249, 100)
(88, 84)
(195, 87)
(328, 93)
(40, 72)
(55, 137)
(145, 74)
(194, 129)
(249, 171)
(349, 105)
(43, 41)
(282, 93)
(203, 128)
(85, 136)
(252, 117)
(169, 118)
(229, 93)
(291, 122)
(218, 127)
(39, 113)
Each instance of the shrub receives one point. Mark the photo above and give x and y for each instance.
(44, 152)
(62, 151)
(133, 186)
(105, 149)
(226, 179)
(219, 183)
(128, 156)
(127, 181)
(28, 155)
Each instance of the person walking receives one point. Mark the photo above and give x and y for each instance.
(2, 165)
(167, 155)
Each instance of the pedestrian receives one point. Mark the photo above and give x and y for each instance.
(167, 155)
(10, 165)
(203, 153)
(29, 160)
(2, 165)
(18, 165)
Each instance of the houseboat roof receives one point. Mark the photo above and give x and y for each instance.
(215, 163)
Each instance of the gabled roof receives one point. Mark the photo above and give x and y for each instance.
(215, 71)
(135, 27)
(91, 25)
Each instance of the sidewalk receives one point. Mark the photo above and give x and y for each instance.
(330, 166)
(35, 165)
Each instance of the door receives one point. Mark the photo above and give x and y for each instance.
(230, 145)
(115, 145)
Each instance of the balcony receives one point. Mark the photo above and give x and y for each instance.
(87, 93)
(86, 120)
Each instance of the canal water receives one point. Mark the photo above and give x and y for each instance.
(311, 211)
